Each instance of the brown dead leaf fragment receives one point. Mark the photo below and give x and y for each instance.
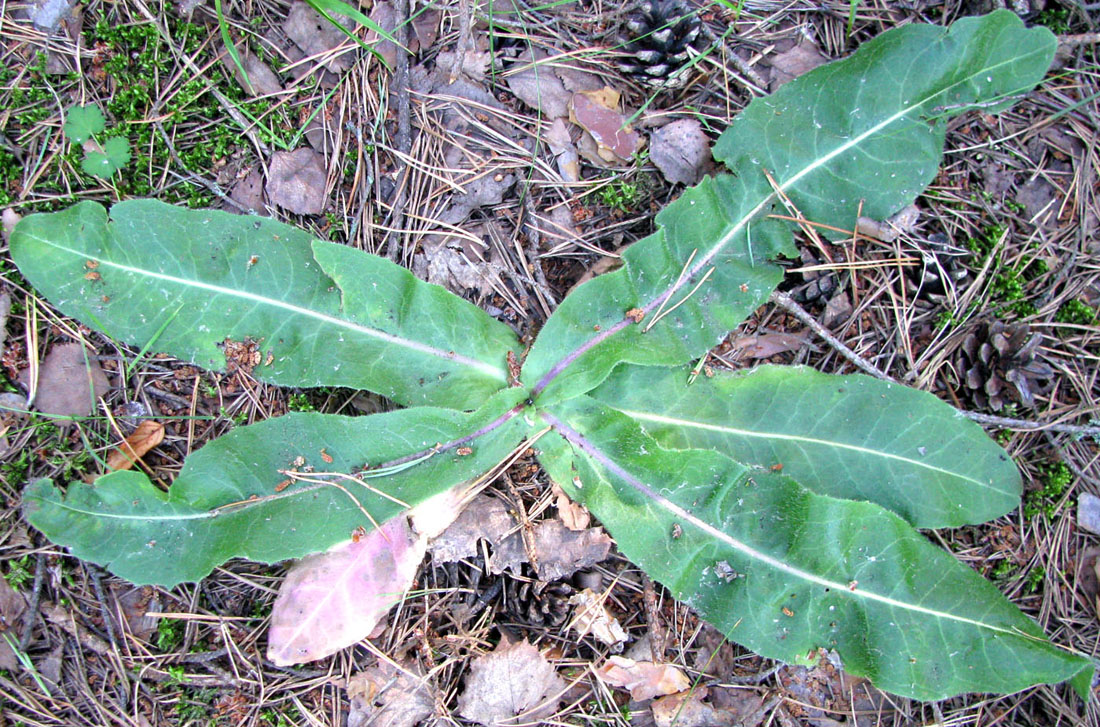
(12, 605)
(791, 63)
(315, 35)
(296, 181)
(134, 604)
(334, 599)
(512, 685)
(260, 81)
(592, 617)
(536, 84)
(597, 113)
(561, 552)
(147, 435)
(388, 696)
(69, 381)
(574, 515)
(681, 150)
(687, 709)
(644, 679)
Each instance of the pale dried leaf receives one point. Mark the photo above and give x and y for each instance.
(644, 679)
(681, 150)
(470, 65)
(249, 192)
(48, 14)
(9, 218)
(590, 616)
(561, 552)
(386, 696)
(536, 85)
(562, 147)
(573, 515)
(315, 35)
(261, 80)
(901, 222)
(766, 345)
(485, 518)
(68, 381)
(433, 516)
(597, 113)
(296, 181)
(147, 435)
(5, 309)
(425, 26)
(1088, 512)
(514, 684)
(334, 599)
(792, 63)
(687, 709)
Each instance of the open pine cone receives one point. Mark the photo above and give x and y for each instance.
(999, 365)
(662, 38)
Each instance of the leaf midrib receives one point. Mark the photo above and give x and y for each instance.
(494, 372)
(675, 421)
(609, 464)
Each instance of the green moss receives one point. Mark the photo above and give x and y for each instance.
(1076, 312)
(1007, 286)
(1054, 479)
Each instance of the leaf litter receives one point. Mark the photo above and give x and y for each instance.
(513, 684)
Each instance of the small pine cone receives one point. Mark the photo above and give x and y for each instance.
(941, 268)
(538, 603)
(999, 365)
(818, 285)
(662, 38)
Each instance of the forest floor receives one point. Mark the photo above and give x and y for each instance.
(1004, 236)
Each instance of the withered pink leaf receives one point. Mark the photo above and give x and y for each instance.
(644, 679)
(595, 112)
(334, 599)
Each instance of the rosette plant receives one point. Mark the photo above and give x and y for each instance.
(783, 504)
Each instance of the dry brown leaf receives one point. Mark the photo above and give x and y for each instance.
(900, 222)
(1088, 512)
(573, 515)
(687, 709)
(514, 684)
(134, 604)
(536, 85)
(334, 599)
(261, 80)
(597, 113)
(315, 35)
(296, 181)
(485, 518)
(147, 435)
(387, 696)
(12, 605)
(837, 309)
(561, 552)
(590, 616)
(766, 345)
(249, 192)
(681, 150)
(793, 62)
(562, 147)
(69, 382)
(384, 14)
(644, 679)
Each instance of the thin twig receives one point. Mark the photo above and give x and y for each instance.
(36, 597)
(403, 138)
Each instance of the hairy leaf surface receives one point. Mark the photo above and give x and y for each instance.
(236, 498)
(852, 437)
(320, 314)
(866, 131)
(785, 571)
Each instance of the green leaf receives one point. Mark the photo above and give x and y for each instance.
(785, 571)
(319, 314)
(115, 155)
(866, 131)
(848, 436)
(81, 122)
(235, 498)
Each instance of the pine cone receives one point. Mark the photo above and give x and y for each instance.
(941, 268)
(538, 603)
(999, 365)
(818, 285)
(662, 38)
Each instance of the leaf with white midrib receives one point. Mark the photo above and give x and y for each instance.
(317, 313)
(848, 436)
(785, 571)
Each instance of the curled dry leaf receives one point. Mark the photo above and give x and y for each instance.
(296, 181)
(681, 150)
(334, 599)
(485, 518)
(573, 515)
(260, 79)
(389, 696)
(591, 617)
(147, 435)
(9, 218)
(69, 381)
(644, 679)
(514, 684)
(597, 113)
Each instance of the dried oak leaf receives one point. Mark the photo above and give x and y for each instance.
(334, 599)
(681, 150)
(514, 684)
(644, 679)
(296, 181)
(69, 381)
(147, 435)
(388, 696)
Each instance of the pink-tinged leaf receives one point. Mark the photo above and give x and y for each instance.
(644, 679)
(334, 599)
(596, 112)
